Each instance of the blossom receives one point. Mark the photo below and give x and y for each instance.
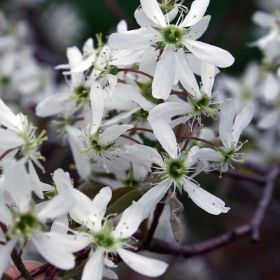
(177, 169)
(230, 129)
(18, 135)
(106, 241)
(172, 44)
(26, 223)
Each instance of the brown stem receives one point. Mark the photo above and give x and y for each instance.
(131, 139)
(141, 129)
(157, 213)
(20, 265)
(200, 140)
(135, 71)
(6, 153)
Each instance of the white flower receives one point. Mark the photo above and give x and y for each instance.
(19, 135)
(105, 241)
(230, 129)
(26, 223)
(173, 41)
(174, 169)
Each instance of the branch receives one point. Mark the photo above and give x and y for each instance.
(154, 225)
(20, 265)
(251, 229)
(135, 71)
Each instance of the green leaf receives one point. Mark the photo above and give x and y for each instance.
(122, 198)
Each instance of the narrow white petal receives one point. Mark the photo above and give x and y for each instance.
(242, 120)
(62, 180)
(164, 75)
(153, 196)
(226, 122)
(81, 160)
(185, 74)
(7, 117)
(210, 54)
(165, 135)
(5, 213)
(53, 105)
(9, 139)
(113, 132)
(208, 155)
(153, 11)
(5, 252)
(93, 269)
(197, 11)
(130, 221)
(58, 206)
(142, 19)
(208, 72)
(35, 181)
(143, 265)
(144, 154)
(128, 92)
(205, 200)
(101, 200)
(133, 39)
(97, 106)
(60, 225)
(199, 28)
(166, 111)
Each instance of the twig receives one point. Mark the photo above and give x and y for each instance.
(200, 140)
(6, 153)
(251, 229)
(37, 271)
(157, 213)
(141, 129)
(20, 265)
(131, 139)
(136, 71)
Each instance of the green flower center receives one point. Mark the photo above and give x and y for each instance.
(202, 106)
(25, 225)
(104, 241)
(81, 94)
(173, 35)
(175, 170)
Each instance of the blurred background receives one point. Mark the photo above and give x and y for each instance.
(54, 25)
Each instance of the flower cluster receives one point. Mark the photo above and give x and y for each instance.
(139, 113)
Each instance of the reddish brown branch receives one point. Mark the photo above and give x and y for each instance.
(20, 265)
(6, 153)
(251, 229)
(136, 72)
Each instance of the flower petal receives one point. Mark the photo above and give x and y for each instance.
(153, 12)
(93, 269)
(143, 265)
(164, 75)
(153, 196)
(113, 132)
(97, 106)
(165, 135)
(210, 54)
(205, 200)
(197, 11)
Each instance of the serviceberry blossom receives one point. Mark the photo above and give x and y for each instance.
(230, 129)
(172, 43)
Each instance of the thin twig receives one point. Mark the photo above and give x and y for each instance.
(141, 129)
(20, 265)
(6, 153)
(200, 140)
(157, 214)
(131, 139)
(136, 71)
